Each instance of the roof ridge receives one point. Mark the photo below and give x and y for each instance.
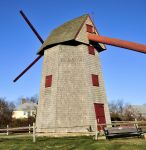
(64, 32)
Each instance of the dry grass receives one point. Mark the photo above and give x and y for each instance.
(70, 143)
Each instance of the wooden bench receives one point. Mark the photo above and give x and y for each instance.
(119, 132)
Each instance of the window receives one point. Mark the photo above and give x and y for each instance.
(95, 80)
(48, 81)
(91, 50)
(89, 28)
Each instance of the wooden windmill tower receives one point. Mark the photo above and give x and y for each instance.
(72, 83)
(72, 93)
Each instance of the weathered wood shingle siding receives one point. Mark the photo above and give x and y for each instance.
(68, 105)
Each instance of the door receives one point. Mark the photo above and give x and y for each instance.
(100, 115)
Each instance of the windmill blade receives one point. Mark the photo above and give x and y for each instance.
(38, 36)
(31, 26)
(117, 42)
(21, 74)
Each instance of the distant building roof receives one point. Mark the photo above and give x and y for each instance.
(140, 108)
(27, 106)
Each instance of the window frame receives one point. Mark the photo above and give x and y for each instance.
(95, 80)
(48, 81)
(89, 28)
(91, 50)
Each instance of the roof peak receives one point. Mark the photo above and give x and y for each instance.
(65, 32)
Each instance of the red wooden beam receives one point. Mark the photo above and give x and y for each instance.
(21, 74)
(117, 42)
(41, 40)
(31, 26)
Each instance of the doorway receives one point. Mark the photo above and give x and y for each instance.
(100, 115)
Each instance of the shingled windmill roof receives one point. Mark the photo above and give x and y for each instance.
(65, 32)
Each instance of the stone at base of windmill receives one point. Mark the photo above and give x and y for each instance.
(61, 134)
(65, 130)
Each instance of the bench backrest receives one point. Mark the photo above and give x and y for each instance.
(116, 130)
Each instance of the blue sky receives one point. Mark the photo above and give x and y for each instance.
(124, 70)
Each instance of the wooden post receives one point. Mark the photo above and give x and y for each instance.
(7, 130)
(136, 124)
(96, 130)
(34, 136)
(29, 129)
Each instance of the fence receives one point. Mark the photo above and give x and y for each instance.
(28, 129)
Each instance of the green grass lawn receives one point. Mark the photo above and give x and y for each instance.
(70, 143)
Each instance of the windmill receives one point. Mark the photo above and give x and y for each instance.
(72, 93)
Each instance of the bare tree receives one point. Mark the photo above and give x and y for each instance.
(121, 111)
(116, 109)
(6, 110)
(129, 113)
(33, 99)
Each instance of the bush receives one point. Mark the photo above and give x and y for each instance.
(22, 122)
(6, 109)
